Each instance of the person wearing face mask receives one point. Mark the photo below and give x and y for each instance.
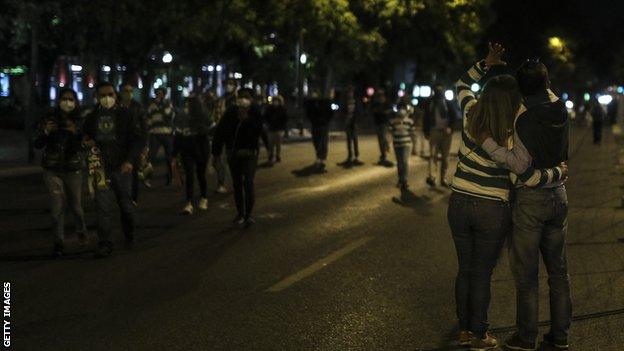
(192, 145)
(439, 120)
(111, 129)
(238, 131)
(160, 114)
(62, 161)
(276, 119)
(402, 128)
(222, 104)
(137, 114)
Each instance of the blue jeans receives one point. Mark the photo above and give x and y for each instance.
(65, 187)
(119, 193)
(540, 225)
(320, 138)
(402, 154)
(479, 228)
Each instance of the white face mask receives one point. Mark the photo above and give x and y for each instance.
(402, 112)
(244, 102)
(107, 102)
(67, 106)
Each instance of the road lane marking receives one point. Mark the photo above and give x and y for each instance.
(318, 265)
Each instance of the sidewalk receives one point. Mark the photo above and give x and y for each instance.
(14, 154)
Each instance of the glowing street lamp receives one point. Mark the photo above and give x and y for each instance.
(449, 95)
(556, 44)
(167, 57)
(303, 58)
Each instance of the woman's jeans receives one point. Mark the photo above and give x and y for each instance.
(479, 228)
(402, 154)
(243, 170)
(65, 186)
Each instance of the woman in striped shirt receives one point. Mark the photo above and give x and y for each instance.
(479, 211)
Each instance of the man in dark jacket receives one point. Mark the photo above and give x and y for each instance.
(110, 128)
(439, 122)
(319, 112)
(238, 131)
(539, 214)
(351, 110)
(137, 113)
(381, 109)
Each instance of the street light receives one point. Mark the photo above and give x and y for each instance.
(303, 58)
(556, 44)
(449, 95)
(475, 87)
(167, 57)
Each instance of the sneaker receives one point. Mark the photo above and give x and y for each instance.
(188, 209)
(103, 249)
(221, 189)
(431, 181)
(58, 250)
(239, 219)
(464, 338)
(515, 343)
(203, 204)
(549, 339)
(147, 183)
(357, 162)
(487, 343)
(248, 222)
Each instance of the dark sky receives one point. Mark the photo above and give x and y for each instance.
(593, 29)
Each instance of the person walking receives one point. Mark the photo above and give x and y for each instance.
(160, 114)
(239, 131)
(402, 129)
(192, 145)
(110, 128)
(319, 112)
(540, 222)
(479, 212)
(419, 140)
(351, 112)
(137, 114)
(221, 105)
(276, 119)
(598, 117)
(439, 120)
(381, 110)
(62, 160)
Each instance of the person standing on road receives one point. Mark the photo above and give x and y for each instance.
(439, 120)
(479, 211)
(382, 110)
(59, 137)
(598, 117)
(160, 114)
(540, 222)
(402, 129)
(238, 131)
(137, 114)
(222, 104)
(419, 140)
(276, 119)
(191, 143)
(110, 128)
(319, 112)
(351, 112)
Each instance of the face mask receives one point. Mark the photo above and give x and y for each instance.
(67, 106)
(402, 112)
(107, 102)
(244, 103)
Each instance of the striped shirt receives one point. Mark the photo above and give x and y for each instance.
(160, 118)
(402, 129)
(477, 173)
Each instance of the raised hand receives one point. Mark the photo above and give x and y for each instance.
(494, 56)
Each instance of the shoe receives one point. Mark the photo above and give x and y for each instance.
(104, 249)
(515, 343)
(487, 343)
(147, 183)
(188, 209)
(431, 181)
(203, 204)
(238, 220)
(58, 250)
(278, 159)
(357, 162)
(464, 338)
(556, 344)
(135, 203)
(221, 189)
(248, 222)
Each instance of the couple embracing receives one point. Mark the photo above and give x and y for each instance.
(509, 185)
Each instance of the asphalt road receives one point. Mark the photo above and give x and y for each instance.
(336, 261)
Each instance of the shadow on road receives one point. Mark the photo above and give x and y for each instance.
(309, 171)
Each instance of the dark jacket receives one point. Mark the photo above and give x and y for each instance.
(318, 111)
(62, 150)
(191, 129)
(236, 133)
(137, 113)
(448, 111)
(116, 134)
(382, 111)
(544, 130)
(276, 117)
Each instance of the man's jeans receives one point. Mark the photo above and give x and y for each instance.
(479, 228)
(382, 138)
(540, 225)
(402, 154)
(320, 138)
(439, 142)
(243, 170)
(118, 192)
(65, 186)
(352, 140)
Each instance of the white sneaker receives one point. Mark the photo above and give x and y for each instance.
(221, 189)
(188, 209)
(203, 204)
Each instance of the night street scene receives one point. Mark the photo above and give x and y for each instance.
(413, 175)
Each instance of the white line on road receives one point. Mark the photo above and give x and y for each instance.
(318, 265)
